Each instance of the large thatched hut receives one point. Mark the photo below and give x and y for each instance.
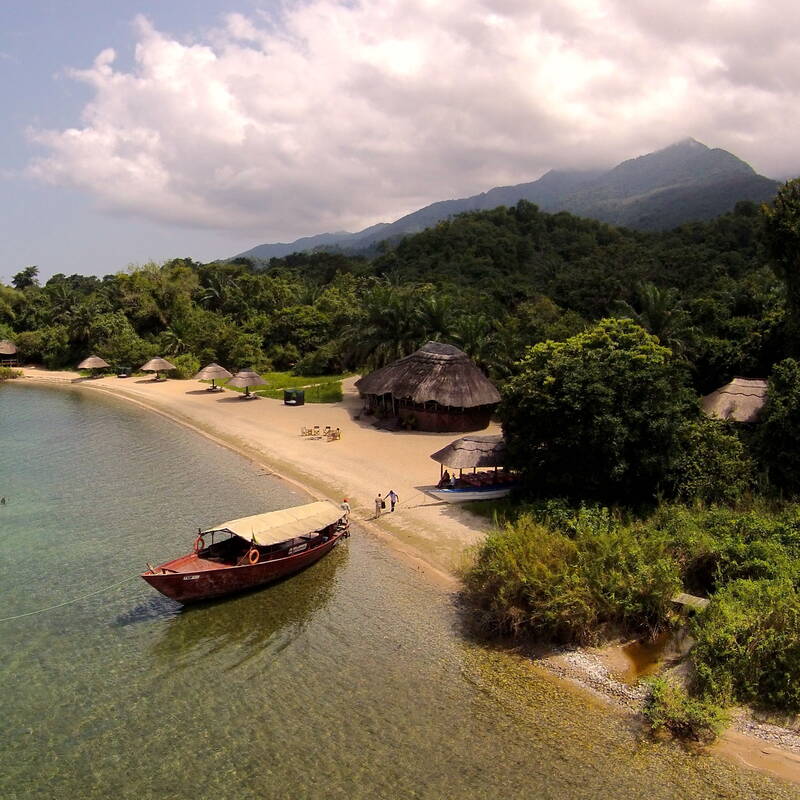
(437, 388)
(741, 400)
(8, 353)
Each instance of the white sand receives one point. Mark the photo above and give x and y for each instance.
(365, 461)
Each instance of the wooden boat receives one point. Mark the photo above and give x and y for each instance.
(251, 551)
(466, 494)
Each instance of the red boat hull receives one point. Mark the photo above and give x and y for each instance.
(191, 579)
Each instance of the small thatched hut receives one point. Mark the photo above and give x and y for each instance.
(741, 400)
(8, 353)
(437, 388)
(472, 452)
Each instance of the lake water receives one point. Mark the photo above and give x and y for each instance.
(349, 680)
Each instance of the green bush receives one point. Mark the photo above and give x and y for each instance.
(748, 644)
(7, 373)
(598, 415)
(324, 360)
(778, 434)
(670, 708)
(715, 546)
(186, 366)
(712, 465)
(530, 579)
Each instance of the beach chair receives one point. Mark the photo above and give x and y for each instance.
(304, 431)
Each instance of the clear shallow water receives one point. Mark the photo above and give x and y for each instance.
(349, 680)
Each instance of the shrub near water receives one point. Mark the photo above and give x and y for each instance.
(748, 644)
(670, 708)
(529, 578)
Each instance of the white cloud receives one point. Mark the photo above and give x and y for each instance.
(341, 113)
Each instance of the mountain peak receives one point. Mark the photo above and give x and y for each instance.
(689, 143)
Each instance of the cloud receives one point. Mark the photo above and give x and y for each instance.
(336, 114)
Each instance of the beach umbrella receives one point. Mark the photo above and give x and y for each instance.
(245, 379)
(93, 363)
(213, 372)
(157, 365)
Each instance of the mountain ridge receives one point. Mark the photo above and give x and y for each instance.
(683, 182)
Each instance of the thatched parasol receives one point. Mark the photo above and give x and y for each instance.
(438, 373)
(472, 452)
(8, 353)
(245, 379)
(157, 365)
(213, 372)
(741, 400)
(93, 363)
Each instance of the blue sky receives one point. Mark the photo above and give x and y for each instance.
(139, 131)
(58, 228)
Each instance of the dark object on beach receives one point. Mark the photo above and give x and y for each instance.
(250, 552)
(294, 397)
(124, 372)
(437, 388)
(244, 380)
(93, 363)
(157, 365)
(213, 372)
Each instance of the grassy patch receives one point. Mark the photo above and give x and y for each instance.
(317, 388)
(670, 708)
(9, 373)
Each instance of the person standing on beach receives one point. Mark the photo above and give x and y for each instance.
(345, 506)
(379, 505)
(392, 498)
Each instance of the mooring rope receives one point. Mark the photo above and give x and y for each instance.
(69, 602)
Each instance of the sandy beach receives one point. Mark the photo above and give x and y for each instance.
(429, 534)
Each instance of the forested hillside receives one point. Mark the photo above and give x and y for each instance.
(492, 282)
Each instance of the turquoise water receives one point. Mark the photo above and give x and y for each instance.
(349, 680)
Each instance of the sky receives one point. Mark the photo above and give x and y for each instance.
(140, 130)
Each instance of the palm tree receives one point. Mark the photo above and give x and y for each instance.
(660, 312)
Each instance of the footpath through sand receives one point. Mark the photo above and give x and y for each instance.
(365, 461)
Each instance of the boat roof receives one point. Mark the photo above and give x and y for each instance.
(278, 526)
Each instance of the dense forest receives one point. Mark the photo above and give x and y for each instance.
(491, 282)
(601, 340)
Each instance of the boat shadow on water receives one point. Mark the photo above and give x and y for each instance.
(252, 623)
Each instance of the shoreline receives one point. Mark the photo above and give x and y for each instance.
(429, 536)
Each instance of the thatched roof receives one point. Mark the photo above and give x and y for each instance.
(7, 348)
(436, 372)
(157, 365)
(212, 372)
(93, 362)
(245, 378)
(740, 400)
(473, 451)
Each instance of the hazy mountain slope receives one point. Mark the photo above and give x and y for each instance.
(683, 182)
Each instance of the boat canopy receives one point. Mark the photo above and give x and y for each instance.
(278, 526)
